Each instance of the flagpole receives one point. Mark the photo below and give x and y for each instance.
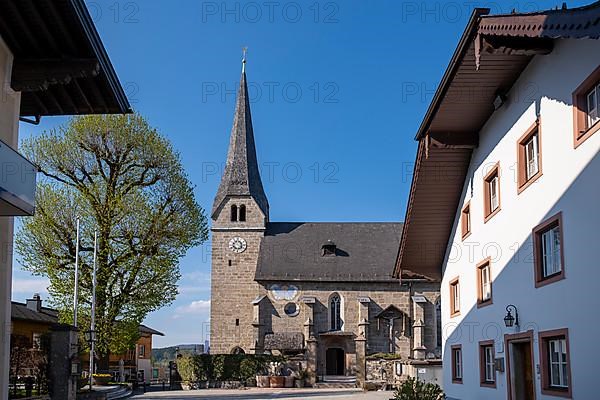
(76, 291)
(93, 324)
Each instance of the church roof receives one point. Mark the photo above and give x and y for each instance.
(241, 176)
(292, 251)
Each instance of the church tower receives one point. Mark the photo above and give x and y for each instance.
(239, 216)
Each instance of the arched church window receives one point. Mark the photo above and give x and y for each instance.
(234, 213)
(438, 322)
(335, 310)
(237, 350)
(242, 213)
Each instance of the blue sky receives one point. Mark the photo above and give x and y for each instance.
(338, 89)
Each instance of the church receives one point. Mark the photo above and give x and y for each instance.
(322, 291)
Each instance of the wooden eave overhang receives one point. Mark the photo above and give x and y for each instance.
(491, 55)
(60, 64)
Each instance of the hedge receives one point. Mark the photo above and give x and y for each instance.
(224, 367)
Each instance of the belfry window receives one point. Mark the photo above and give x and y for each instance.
(234, 213)
(242, 214)
(335, 313)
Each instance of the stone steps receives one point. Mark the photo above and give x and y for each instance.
(337, 382)
(120, 393)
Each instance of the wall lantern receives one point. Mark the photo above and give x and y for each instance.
(509, 319)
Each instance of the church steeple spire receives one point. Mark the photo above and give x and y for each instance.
(241, 176)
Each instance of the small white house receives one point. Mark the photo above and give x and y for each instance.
(504, 203)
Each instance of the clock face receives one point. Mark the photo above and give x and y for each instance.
(237, 245)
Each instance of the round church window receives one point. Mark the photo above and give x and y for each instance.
(291, 309)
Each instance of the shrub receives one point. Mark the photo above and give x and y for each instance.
(187, 369)
(248, 368)
(415, 389)
(223, 367)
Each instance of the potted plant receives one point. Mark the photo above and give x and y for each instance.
(304, 376)
(416, 389)
(288, 381)
(263, 381)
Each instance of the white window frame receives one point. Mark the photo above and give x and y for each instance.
(558, 346)
(456, 293)
(486, 282)
(36, 340)
(593, 113)
(494, 202)
(532, 164)
(457, 363)
(490, 366)
(551, 257)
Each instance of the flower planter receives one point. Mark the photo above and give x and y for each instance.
(102, 380)
(277, 381)
(263, 382)
(299, 383)
(288, 381)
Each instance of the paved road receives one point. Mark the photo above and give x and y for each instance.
(267, 394)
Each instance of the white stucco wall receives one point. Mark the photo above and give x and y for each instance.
(9, 126)
(569, 184)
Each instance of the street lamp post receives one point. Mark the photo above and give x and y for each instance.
(91, 334)
(90, 337)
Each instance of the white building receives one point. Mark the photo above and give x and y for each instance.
(504, 202)
(52, 62)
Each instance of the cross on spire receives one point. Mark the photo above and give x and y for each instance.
(241, 176)
(244, 51)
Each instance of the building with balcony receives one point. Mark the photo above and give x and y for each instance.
(52, 62)
(503, 202)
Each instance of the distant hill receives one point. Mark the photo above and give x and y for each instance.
(165, 354)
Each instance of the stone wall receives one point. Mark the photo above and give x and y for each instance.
(393, 372)
(381, 296)
(233, 286)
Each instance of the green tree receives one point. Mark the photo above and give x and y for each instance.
(123, 179)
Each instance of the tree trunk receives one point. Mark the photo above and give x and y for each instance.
(103, 366)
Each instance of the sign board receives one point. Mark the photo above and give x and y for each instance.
(419, 299)
(422, 371)
(364, 299)
(309, 300)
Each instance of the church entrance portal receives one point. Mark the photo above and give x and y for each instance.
(335, 359)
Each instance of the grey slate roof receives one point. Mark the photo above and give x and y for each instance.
(366, 252)
(45, 315)
(241, 176)
(50, 316)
